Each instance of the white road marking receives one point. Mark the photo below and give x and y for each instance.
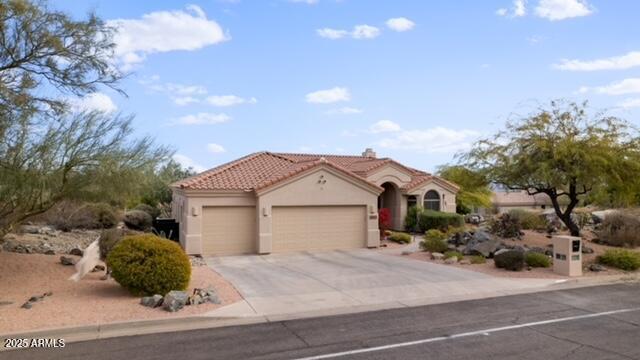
(485, 332)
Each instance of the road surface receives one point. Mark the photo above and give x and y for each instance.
(600, 322)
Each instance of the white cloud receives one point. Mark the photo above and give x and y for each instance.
(365, 32)
(626, 86)
(400, 24)
(384, 126)
(434, 140)
(164, 31)
(215, 148)
(562, 9)
(202, 119)
(627, 61)
(345, 111)
(329, 96)
(518, 9)
(359, 32)
(96, 101)
(229, 100)
(332, 34)
(185, 100)
(187, 162)
(630, 103)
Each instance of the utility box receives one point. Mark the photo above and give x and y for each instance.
(567, 255)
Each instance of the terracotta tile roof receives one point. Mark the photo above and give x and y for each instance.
(260, 170)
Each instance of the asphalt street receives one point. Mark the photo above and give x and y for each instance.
(601, 322)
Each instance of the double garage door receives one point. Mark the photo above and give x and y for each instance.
(232, 230)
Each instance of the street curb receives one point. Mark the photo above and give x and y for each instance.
(144, 327)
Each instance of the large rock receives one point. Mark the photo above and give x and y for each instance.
(30, 229)
(175, 300)
(597, 268)
(452, 260)
(598, 216)
(437, 256)
(483, 244)
(76, 251)
(64, 260)
(152, 301)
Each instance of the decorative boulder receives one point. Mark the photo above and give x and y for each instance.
(152, 301)
(76, 252)
(597, 268)
(175, 300)
(587, 250)
(437, 256)
(483, 244)
(64, 260)
(450, 261)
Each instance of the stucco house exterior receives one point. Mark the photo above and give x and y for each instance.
(277, 202)
(505, 200)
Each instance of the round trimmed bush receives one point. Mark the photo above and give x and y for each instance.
(104, 215)
(456, 254)
(148, 265)
(434, 241)
(401, 238)
(138, 220)
(510, 260)
(477, 259)
(535, 259)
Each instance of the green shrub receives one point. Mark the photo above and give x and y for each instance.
(529, 220)
(147, 265)
(477, 259)
(429, 219)
(505, 225)
(621, 258)
(620, 229)
(435, 234)
(104, 215)
(456, 254)
(535, 259)
(411, 219)
(434, 241)
(138, 220)
(153, 211)
(510, 260)
(401, 238)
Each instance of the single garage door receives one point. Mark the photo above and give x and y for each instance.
(229, 230)
(299, 228)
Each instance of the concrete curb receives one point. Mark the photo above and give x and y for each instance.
(130, 328)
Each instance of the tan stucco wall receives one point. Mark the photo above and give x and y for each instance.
(323, 186)
(397, 176)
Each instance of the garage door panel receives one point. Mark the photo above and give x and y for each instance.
(229, 230)
(300, 228)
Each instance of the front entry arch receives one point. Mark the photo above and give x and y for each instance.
(391, 199)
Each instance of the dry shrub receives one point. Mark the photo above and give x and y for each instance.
(620, 229)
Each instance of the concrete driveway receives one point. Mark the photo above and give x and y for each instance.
(347, 280)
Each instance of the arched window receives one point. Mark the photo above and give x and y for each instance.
(432, 200)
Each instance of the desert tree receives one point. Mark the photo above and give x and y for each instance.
(474, 188)
(561, 150)
(71, 157)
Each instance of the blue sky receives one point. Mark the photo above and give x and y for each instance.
(417, 81)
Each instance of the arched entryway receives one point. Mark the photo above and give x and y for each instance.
(390, 199)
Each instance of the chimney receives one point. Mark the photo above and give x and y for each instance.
(368, 152)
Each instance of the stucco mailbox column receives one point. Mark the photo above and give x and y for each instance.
(567, 255)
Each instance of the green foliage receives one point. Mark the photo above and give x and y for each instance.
(156, 190)
(620, 229)
(535, 259)
(108, 240)
(621, 258)
(529, 220)
(429, 219)
(411, 219)
(434, 241)
(148, 265)
(477, 259)
(138, 220)
(474, 187)
(456, 254)
(510, 260)
(48, 56)
(401, 238)
(152, 211)
(560, 151)
(505, 225)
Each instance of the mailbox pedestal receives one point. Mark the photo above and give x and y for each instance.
(567, 255)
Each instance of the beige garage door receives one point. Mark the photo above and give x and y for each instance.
(299, 228)
(229, 230)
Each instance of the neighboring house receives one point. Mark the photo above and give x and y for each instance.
(505, 200)
(275, 202)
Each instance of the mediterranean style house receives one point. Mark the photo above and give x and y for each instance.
(276, 202)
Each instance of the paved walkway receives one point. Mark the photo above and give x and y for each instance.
(282, 284)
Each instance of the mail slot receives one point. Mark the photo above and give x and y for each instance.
(567, 255)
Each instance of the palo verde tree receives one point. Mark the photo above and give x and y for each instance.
(474, 187)
(561, 151)
(46, 56)
(44, 162)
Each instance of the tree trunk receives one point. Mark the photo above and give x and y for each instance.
(565, 216)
